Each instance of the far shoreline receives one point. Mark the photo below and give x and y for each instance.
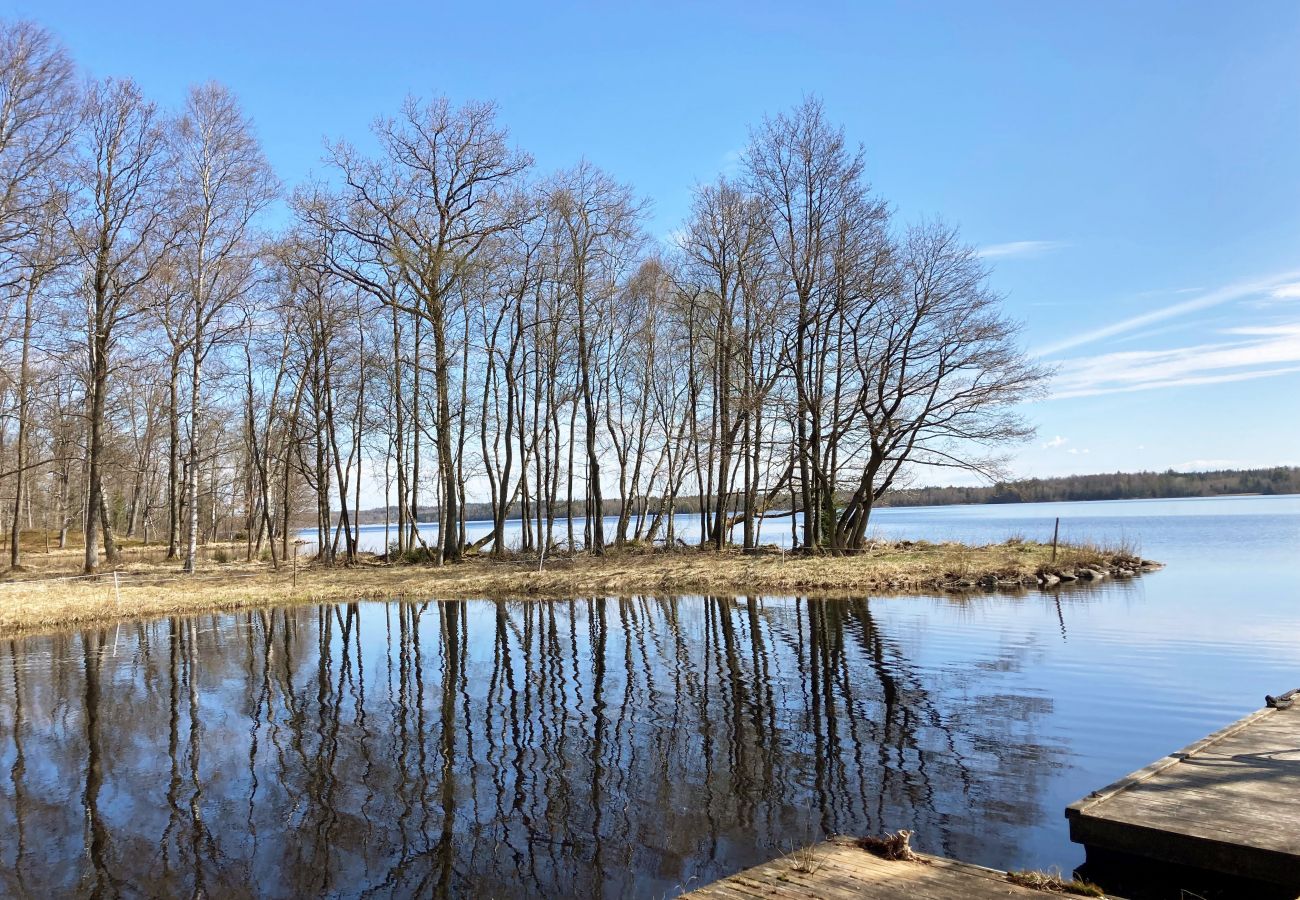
(50, 597)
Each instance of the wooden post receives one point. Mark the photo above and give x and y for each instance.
(1055, 534)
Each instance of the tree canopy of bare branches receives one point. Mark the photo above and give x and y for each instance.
(437, 330)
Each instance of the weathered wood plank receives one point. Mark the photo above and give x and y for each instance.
(840, 870)
(1229, 803)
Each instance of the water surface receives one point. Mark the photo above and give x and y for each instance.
(631, 746)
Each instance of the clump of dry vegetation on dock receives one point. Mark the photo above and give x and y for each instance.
(896, 845)
(1053, 883)
(46, 595)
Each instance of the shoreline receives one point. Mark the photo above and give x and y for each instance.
(50, 598)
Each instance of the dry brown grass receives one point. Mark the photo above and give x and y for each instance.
(893, 845)
(147, 585)
(805, 860)
(1053, 883)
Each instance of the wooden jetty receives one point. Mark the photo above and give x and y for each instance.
(1227, 806)
(838, 869)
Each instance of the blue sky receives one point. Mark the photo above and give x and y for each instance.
(1132, 170)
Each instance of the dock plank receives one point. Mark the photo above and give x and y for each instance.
(1229, 803)
(843, 871)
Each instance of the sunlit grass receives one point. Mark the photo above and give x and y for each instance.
(1052, 882)
(147, 584)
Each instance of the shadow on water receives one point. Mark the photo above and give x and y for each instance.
(614, 747)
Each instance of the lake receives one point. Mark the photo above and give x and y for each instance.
(637, 746)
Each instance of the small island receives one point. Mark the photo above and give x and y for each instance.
(145, 585)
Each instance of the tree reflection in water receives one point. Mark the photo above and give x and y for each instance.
(585, 747)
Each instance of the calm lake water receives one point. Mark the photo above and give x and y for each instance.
(632, 747)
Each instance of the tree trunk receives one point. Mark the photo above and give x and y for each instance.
(173, 459)
(192, 488)
(20, 448)
(95, 499)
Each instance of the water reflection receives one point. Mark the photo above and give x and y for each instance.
(594, 747)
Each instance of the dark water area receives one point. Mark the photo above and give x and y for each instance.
(631, 746)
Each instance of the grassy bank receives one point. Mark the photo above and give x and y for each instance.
(148, 586)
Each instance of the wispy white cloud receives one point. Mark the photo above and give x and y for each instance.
(1286, 291)
(1236, 291)
(1056, 442)
(1077, 451)
(1165, 292)
(1268, 351)
(1019, 248)
(1263, 330)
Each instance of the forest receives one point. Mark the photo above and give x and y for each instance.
(191, 348)
(1115, 486)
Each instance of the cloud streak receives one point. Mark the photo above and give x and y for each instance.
(1270, 352)
(1013, 249)
(1236, 291)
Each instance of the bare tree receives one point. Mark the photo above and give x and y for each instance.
(438, 194)
(598, 221)
(38, 115)
(828, 238)
(121, 231)
(222, 182)
(41, 254)
(724, 245)
(940, 372)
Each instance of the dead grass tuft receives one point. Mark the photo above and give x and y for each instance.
(1053, 883)
(894, 845)
(805, 860)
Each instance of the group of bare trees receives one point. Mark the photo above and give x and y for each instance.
(441, 321)
(127, 232)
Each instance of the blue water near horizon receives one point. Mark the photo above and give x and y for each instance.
(1128, 521)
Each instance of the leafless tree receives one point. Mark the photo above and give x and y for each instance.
(38, 116)
(425, 209)
(121, 230)
(828, 236)
(222, 182)
(596, 219)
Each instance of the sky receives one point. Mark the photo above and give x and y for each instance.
(1130, 171)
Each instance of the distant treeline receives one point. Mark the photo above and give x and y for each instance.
(1113, 486)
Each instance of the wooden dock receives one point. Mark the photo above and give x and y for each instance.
(1228, 806)
(838, 869)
